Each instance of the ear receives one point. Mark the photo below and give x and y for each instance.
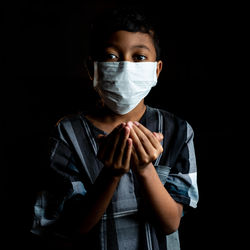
(89, 64)
(159, 68)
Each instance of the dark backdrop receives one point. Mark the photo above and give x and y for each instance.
(45, 43)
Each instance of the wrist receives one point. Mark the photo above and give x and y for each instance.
(146, 171)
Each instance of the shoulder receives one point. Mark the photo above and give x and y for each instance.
(68, 126)
(70, 122)
(68, 119)
(175, 121)
(175, 127)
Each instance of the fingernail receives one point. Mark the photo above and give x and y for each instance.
(126, 130)
(130, 124)
(136, 123)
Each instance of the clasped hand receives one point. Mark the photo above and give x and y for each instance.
(129, 145)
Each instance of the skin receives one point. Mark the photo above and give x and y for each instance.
(129, 145)
(132, 47)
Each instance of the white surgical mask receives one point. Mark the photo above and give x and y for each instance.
(122, 85)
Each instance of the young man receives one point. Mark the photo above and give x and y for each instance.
(122, 174)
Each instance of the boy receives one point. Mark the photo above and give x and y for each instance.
(123, 173)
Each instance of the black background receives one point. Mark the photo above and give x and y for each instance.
(45, 43)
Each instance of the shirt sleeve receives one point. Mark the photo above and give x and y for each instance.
(180, 176)
(63, 185)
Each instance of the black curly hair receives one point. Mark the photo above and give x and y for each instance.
(124, 18)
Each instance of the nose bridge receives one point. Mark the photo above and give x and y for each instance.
(126, 56)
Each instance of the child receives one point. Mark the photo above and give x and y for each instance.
(123, 174)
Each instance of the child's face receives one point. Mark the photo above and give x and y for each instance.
(130, 46)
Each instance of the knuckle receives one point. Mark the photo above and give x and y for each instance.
(154, 156)
(161, 149)
(145, 160)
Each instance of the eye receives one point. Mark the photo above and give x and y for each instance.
(139, 58)
(110, 57)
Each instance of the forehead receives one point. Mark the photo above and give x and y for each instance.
(126, 39)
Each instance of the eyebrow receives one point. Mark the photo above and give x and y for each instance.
(141, 46)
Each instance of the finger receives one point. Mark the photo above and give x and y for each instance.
(111, 146)
(134, 156)
(121, 145)
(151, 137)
(116, 129)
(159, 136)
(144, 140)
(107, 142)
(137, 142)
(128, 153)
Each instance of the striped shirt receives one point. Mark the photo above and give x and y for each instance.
(127, 222)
